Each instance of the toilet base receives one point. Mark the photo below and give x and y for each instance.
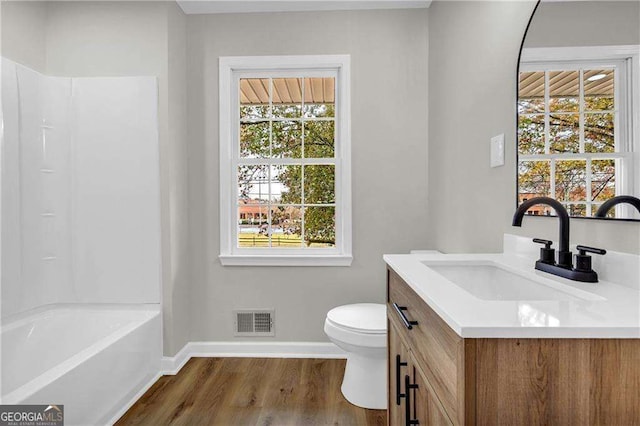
(365, 381)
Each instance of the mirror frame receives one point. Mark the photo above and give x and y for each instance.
(524, 37)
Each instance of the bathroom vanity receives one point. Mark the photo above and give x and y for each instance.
(485, 339)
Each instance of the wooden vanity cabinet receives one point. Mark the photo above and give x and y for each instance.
(418, 404)
(425, 405)
(431, 355)
(438, 378)
(398, 368)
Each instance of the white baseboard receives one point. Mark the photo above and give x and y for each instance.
(170, 365)
(133, 399)
(326, 350)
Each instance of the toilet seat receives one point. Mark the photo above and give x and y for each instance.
(362, 325)
(367, 318)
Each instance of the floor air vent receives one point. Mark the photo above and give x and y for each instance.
(254, 323)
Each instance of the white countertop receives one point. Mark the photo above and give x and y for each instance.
(600, 310)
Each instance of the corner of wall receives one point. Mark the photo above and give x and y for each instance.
(178, 292)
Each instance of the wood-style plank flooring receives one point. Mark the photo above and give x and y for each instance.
(251, 391)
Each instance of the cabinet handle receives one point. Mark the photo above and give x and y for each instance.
(407, 407)
(399, 364)
(403, 317)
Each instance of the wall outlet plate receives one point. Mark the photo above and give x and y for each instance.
(497, 150)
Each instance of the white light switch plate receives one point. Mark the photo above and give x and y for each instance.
(497, 151)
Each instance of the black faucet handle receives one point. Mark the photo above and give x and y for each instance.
(547, 243)
(547, 254)
(583, 250)
(583, 260)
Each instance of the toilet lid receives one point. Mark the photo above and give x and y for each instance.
(362, 317)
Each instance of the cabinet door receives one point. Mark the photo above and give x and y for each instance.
(398, 361)
(425, 406)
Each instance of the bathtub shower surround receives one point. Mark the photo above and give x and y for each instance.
(80, 190)
(81, 240)
(116, 235)
(36, 185)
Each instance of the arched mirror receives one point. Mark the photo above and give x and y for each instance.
(579, 107)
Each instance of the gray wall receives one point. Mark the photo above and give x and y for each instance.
(585, 23)
(473, 51)
(177, 292)
(111, 38)
(24, 33)
(389, 143)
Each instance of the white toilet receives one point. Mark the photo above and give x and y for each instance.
(361, 330)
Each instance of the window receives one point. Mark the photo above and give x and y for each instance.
(575, 132)
(285, 161)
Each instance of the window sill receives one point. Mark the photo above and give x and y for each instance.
(285, 260)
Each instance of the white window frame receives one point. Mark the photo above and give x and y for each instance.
(626, 59)
(232, 68)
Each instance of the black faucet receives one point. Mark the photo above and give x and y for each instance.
(611, 202)
(564, 255)
(564, 266)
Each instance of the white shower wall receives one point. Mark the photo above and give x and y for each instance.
(116, 238)
(35, 189)
(80, 190)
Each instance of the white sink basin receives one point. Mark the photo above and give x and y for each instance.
(490, 281)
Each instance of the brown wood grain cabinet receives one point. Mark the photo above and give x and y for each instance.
(398, 368)
(438, 378)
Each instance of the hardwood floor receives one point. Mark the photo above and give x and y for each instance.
(251, 391)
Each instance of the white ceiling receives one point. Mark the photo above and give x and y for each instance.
(193, 7)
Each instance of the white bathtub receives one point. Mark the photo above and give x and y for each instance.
(92, 358)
